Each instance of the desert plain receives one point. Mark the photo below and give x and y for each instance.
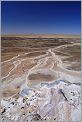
(41, 77)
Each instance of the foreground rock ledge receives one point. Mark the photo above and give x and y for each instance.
(58, 101)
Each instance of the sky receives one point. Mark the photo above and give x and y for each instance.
(52, 17)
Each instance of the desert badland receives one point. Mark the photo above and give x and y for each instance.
(41, 77)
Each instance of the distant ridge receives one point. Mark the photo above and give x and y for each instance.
(43, 35)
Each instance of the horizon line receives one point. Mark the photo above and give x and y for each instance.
(41, 34)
